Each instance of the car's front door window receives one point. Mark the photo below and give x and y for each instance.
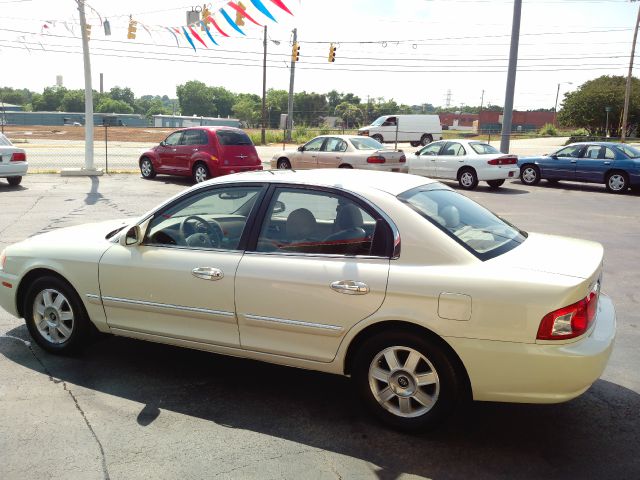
(572, 151)
(173, 139)
(432, 149)
(314, 145)
(208, 219)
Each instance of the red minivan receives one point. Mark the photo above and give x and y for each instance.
(201, 153)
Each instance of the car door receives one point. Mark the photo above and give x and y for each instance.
(179, 281)
(450, 160)
(191, 142)
(319, 265)
(562, 164)
(594, 161)
(332, 153)
(168, 152)
(424, 161)
(308, 156)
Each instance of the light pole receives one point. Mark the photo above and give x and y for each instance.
(555, 108)
(606, 129)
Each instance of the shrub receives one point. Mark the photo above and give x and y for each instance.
(548, 129)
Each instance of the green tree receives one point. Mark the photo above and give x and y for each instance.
(248, 110)
(276, 102)
(108, 105)
(196, 99)
(586, 107)
(15, 96)
(124, 94)
(350, 113)
(50, 100)
(309, 108)
(73, 101)
(223, 99)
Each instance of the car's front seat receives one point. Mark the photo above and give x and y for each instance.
(349, 223)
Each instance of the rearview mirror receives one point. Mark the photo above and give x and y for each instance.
(279, 207)
(132, 237)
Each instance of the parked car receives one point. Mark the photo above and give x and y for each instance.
(467, 161)
(342, 151)
(418, 293)
(417, 129)
(13, 162)
(201, 153)
(617, 165)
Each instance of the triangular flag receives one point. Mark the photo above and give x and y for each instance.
(282, 6)
(206, 29)
(242, 12)
(212, 20)
(189, 39)
(198, 37)
(262, 9)
(231, 22)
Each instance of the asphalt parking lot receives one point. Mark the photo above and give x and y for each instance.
(127, 409)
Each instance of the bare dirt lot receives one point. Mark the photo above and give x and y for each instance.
(22, 133)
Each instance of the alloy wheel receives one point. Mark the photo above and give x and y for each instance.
(466, 179)
(53, 316)
(529, 175)
(617, 182)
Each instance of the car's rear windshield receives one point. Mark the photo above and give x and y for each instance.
(366, 143)
(477, 229)
(629, 151)
(482, 148)
(230, 137)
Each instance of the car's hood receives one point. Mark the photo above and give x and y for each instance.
(554, 254)
(85, 234)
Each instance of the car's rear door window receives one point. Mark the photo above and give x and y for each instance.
(194, 137)
(334, 144)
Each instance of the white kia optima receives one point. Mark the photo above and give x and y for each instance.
(421, 295)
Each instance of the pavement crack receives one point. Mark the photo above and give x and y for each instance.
(25, 213)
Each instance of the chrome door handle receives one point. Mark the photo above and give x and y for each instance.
(350, 287)
(574, 161)
(207, 273)
(607, 163)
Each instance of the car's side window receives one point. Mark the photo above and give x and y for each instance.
(432, 149)
(592, 151)
(192, 137)
(454, 149)
(207, 219)
(315, 222)
(173, 139)
(572, 151)
(314, 145)
(390, 122)
(608, 154)
(334, 145)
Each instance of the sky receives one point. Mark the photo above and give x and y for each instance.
(413, 51)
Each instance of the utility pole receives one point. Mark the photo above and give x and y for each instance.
(263, 139)
(480, 112)
(627, 90)
(511, 78)
(290, 106)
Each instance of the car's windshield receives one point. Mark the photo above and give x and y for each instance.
(366, 143)
(482, 148)
(473, 226)
(4, 141)
(629, 151)
(224, 203)
(378, 121)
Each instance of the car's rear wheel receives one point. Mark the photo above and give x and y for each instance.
(14, 181)
(406, 380)
(377, 138)
(200, 173)
(345, 165)
(146, 169)
(468, 179)
(494, 184)
(426, 139)
(284, 164)
(415, 144)
(529, 174)
(617, 182)
(55, 316)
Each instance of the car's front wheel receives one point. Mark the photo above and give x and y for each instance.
(55, 316)
(284, 164)
(14, 181)
(426, 139)
(378, 138)
(529, 174)
(617, 182)
(415, 144)
(146, 169)
(406, 380)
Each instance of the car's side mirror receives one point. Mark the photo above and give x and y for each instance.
(301, 148)
(279, 207)
(133, 236)
(163, 143)
(554, 156)
(417, 153)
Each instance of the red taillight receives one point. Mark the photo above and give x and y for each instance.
(376, 159)
(19, 157)
(506, 160)
(403, 159)
(571, 321)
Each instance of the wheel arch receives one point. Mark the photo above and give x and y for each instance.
(463, 168)
(151, 158)
(30, 277)
(398, 325)
(614, 170)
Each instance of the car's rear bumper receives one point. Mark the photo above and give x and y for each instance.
(498, 173)
(13, 169)
(399, 167)
(535, 372)
(228, 169)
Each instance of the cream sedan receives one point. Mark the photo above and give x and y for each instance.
(419, 294)
(342, 151)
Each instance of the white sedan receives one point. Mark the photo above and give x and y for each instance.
(418, 293)
(342, 151)
(467, 161)
(13, 161)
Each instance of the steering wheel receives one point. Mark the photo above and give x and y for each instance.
(211, 238)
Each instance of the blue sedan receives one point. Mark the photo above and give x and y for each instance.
(617, 165)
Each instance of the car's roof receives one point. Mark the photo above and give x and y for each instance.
(605, 144)
(344, 137)
(345, 178)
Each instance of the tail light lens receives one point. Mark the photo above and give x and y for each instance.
(19, 157)
(403, 159)
(571, 321)
(375, 159)
(506, 160)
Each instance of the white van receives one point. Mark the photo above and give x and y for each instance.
(417, 129)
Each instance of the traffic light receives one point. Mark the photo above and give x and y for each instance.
(131, 34)
(107, 28)
(332, 53)
(240, 16)
(205, 18)
(295, 52)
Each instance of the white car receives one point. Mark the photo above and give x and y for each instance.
(13, 162)
(342, 151)
(418, 293)
(467, 161)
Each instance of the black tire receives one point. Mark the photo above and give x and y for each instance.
(345, 165)
(434, 365)
(415, 144)
(200, 173)
(468, 178)
(146, 168)
(495, 184)
(65, 336)
(529, 174)
(14, 181)
(426, 139)
(378, 138)
(284, 164)
(617, 182)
